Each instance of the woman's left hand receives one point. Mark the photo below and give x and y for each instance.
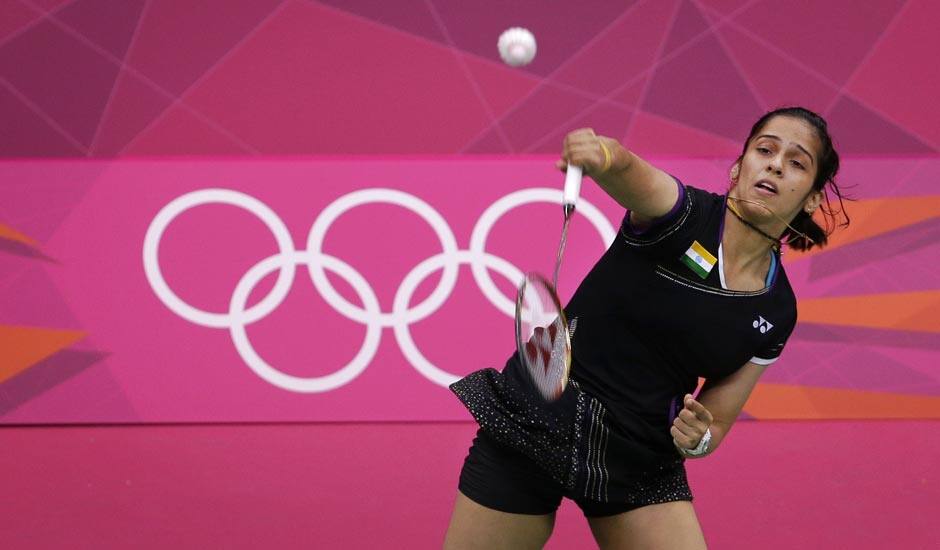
(690, 424)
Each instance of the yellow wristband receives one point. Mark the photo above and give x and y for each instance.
(607, 157)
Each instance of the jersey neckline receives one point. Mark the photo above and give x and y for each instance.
(775, 263)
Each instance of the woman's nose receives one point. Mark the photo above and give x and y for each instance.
(775, 166)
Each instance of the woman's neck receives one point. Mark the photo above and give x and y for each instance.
(744, 249)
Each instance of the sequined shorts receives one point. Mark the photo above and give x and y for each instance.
(506, 480)
(570, 442)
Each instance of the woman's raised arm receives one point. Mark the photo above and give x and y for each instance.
(635, 184)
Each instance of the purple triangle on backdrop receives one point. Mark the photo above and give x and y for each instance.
(701, 88)
(50, 5)
(883, 248)
(15, 18)
(108, 24)
(828, 365)
(529, 122)
(624, 56)
(71, 386)
(812, 332)
(722, 7)
(134, 105)
(410, 16)
(488, 143)
(65, 78)
(23, 250)
(688, 23)
(32, 299)
(36, 208)
(39, 378)
(833, 37)
(33, 136)
(604, 118)
(202, 33)
(860, 131)
(777, 80)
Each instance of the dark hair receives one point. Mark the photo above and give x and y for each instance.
(826, 168)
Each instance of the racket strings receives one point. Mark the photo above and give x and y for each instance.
(546, 360)
(543, 337)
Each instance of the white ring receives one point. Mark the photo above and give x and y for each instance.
(496, 210)
(370, 314)
(399, 198)
(295, 383)
(406, 291)
(205, 196)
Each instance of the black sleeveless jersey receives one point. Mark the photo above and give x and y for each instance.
(653, 316)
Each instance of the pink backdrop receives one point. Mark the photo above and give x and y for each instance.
(192, 92)
(98, 98)
(166, 291)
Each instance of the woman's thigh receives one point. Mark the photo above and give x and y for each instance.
(476, 526)
(667, 526)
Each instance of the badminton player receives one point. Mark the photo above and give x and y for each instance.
(693, 286)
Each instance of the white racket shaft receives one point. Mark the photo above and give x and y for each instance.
(572, 187)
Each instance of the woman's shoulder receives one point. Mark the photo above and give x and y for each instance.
(703, 196)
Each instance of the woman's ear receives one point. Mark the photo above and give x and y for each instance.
(735, 172)
(812, 202)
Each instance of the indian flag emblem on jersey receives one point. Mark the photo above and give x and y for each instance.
(699, 260)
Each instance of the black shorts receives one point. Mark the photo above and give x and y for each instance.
(501, 478)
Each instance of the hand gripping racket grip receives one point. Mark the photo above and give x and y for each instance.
(572, 187)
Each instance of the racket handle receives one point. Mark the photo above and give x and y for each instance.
(572, 187)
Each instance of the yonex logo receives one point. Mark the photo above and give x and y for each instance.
(762, 324)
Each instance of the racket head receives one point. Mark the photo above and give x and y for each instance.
(542, 337)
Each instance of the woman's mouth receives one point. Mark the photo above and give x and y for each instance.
(765, 187)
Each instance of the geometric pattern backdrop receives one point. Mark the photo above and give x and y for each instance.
(670, 78)
(86, 337)
(96, 78)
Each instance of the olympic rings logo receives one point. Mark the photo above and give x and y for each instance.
(370, 314)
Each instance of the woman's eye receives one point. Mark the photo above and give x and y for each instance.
(763, 150)
(797, 164)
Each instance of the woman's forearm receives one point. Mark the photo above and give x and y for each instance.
(635, 184)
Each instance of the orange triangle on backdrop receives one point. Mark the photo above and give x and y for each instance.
(918, 311)
(785, 401)
(871, 217)
(23, 347)
(7, 232)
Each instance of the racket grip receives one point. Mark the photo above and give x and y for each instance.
(572, 186)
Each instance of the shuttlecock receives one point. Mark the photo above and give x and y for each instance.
(516, 46)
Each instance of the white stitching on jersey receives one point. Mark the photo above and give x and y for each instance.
(675, 227)
(663, 272)
(587, 460)
(603, 461)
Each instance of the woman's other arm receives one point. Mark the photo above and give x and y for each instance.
(718, 406)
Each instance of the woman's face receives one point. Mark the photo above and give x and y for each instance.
(778, 169)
